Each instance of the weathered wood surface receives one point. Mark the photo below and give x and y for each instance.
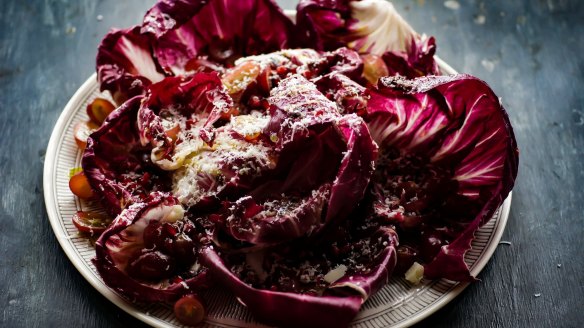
(530, 52)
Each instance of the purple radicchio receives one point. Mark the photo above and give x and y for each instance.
(371, 27)
(220, 30)
(211, 153)
(254, 76)
(117, 166)
(239, 156)
(125, 65)
(324, 165)
(350, 96)
(177, 116)
(448, 159)
(326, 282)
(417, 60)
(148, 254)
(340, 61)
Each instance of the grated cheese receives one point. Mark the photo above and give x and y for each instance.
(201, 172)
(415, 273)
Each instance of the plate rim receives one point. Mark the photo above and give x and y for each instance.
(52, 205)
(478, 266)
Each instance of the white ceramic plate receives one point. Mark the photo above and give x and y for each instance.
(398, 304)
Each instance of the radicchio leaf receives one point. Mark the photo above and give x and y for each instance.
(148, 254)
(458, 124)
(221, 30)
(325, 162)
(299, 108)
(340, 61)
(229, 168)
(177, 116)
(325, 25)
(125, 65)
(276, 219)
(257, 75)
(350, 96)
(369, 26)
(117, 166)
(286, 286)
(417, 61)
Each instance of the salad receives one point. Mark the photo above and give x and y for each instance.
(299, 164)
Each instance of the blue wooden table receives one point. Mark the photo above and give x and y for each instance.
(530, 52)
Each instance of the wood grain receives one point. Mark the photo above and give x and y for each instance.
(530, 52)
